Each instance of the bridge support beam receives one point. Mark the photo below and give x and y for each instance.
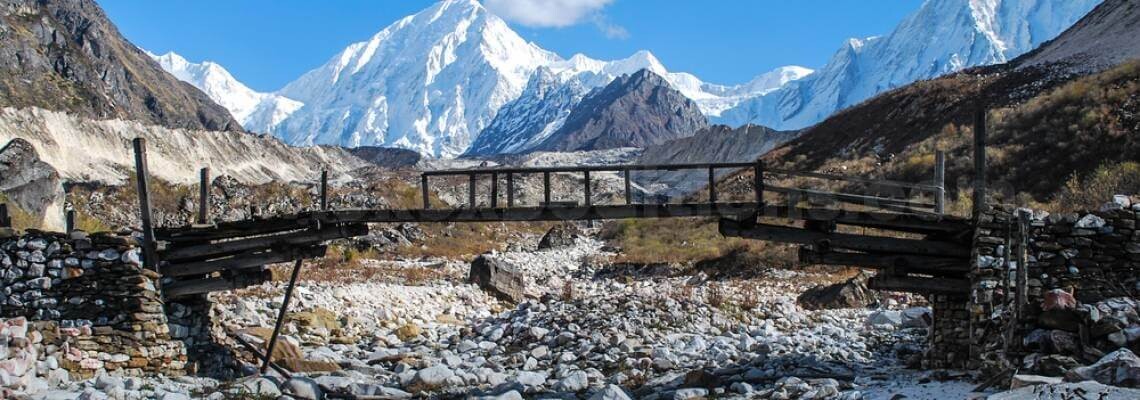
(945, 286)
(824, 241)
(938, 266)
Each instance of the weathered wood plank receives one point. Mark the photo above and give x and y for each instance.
(207, 285)
(299, 238)
(946, 286)
(243, 261)
(842, 240)
(942, 266)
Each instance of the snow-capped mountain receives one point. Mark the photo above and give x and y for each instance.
(256, 111)
(943, 36)
(429, 82)
(554, 90)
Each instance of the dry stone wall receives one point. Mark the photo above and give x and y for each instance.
(1074, 302)
(74, 306)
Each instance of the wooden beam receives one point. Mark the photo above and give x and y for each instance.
(5, 220)
(979, 162)
(299, 238)
(424, 189)
(940, 182)
(863, 200)
(150, 257)
(586, 181)
(471, 191)
(244, 261)
(546, 188)
(69, 221)
(510, 189)
(203, 195)
(712, 185)
(628, 188)
(281, 316)
(943, 266)
(758, 181)
(823, 240)
(494, 190)
(206, 285)
(324, 190)
(946, 286)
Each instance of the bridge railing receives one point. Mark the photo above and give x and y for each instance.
(898, 195)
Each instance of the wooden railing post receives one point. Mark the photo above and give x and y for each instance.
(758, 182)
(940, 181)
(712, 185)
(471, 190)
(204, 195)
(546, 188)
(424, 189)
(150, 257)
(628, 188)
(494, 190)
(324, 190)
(979, 162)
(5, 220)
(69, 221)
(586, 177)
(510, 189)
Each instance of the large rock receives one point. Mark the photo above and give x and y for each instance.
(498, 277)
(29, 183)
(1119, 368)
(559, 236)
(853, 293)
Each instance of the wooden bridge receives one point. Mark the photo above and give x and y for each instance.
(914, 244)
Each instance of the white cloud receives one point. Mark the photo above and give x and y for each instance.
(555, 13)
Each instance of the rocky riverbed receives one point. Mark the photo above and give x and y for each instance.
(419, 329)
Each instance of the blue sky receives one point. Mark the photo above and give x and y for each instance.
(268, 43)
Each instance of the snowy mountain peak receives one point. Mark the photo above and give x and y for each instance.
(941, 37)
(256, 111)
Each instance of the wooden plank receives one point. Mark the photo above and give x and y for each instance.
(299, 238)
(849, 178)
(69, 221)
(150, 258)
(591, 168)
(979, 162)
(946, 286)
(203, 195)
(869, 201)
(942, 266)
(925, 223)
(824, 241)
(5, 220)
(217, 284)
(281, 316)
(244, 261)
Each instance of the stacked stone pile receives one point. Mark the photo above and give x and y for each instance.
(82, 304)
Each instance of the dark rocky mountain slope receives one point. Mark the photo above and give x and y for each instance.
(634, 110)
(715, 144)
(65, 55)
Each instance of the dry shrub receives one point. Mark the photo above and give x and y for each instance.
(749, 295)
(716, 295)
(1098, 187)
(682, 293)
